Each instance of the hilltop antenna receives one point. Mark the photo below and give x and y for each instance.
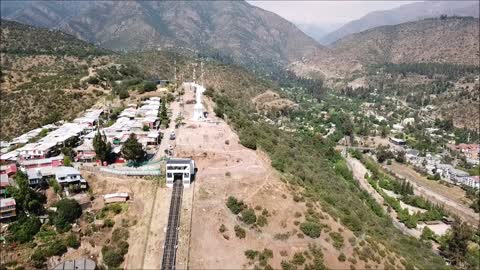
(194, 78)
(175, 70)
(201, 73)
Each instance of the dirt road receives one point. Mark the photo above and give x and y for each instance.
(359, 170)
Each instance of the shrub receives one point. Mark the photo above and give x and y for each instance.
(251, 254)
(72, 241)
(56, 248)
(123, 247)
(281, 236)
(38, 257)
(119, 234)
(149, 86)
(311, 229)
(342, 257)
(287, 266)
(248, 216)
(234, 205)
(93, 80)
(262, 221)
(298, 258)
(222, 228)
(68, 211)
(25, 229)
(239, 232)
(112, 257)
(337, 239)
(109, 223)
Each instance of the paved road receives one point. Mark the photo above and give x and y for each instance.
(173, 226)
(164, 144)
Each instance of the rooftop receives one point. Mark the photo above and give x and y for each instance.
(7, 202)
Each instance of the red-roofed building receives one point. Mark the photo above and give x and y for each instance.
(7, 209)
(9, 169)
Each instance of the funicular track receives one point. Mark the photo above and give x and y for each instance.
(171, 237)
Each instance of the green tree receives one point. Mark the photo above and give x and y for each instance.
(67, 161)
(149, 86)
(456, 246)
(68, 211)
(133, 150)
(103, 149)
(27, 200)
(162, 113)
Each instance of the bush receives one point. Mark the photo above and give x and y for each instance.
(112, 257)
(298, 258)
(234, 205)
(93, 80)
(149, 86)
(311, 229)
(119, 234)
(262, 221)
(56, 248)
(25, 229)
(239, 232)
(248, 216)
(251, 254)
(222, 228)
(109, 223)
(72, 241)
(38, 257)
(287, 266)
(342, 257)
(337, 239)
(123, 247)
(68, 211)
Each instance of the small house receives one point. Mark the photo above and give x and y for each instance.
(7, 209)
(182, 169)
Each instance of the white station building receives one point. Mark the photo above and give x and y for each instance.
(182, 169)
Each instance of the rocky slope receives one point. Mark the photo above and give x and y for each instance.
(405, 13)
(40, 77)
(453, 40)
(234, 29)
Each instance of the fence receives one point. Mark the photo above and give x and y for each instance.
(123, 172)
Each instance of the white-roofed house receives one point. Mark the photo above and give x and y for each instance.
(68, 175)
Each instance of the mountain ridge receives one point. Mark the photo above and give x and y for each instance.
(402, 14)
(238, 29)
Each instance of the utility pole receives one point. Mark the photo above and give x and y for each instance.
(201, 73)
(194, 78)
(175, 70)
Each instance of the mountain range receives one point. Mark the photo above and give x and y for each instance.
(450, 40)
(231, 28)
(404, 13)
(238, 31)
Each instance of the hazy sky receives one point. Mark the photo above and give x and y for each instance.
(326, 13)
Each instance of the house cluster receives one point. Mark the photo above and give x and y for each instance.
(470, 151)
(432, 164)
(38, 154)
(142, 121)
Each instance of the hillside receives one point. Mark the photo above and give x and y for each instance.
(40, 76)
(452, 40)
(234, 29)
(402, 14)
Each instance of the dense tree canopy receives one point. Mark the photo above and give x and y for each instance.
(132, 150)
(103, 149)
